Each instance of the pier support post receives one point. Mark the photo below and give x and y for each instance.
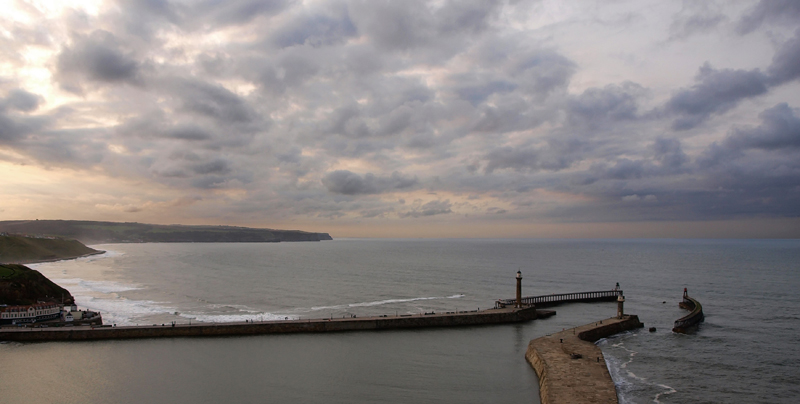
(519, 289)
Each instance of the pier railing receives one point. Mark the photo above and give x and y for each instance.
(555, 299)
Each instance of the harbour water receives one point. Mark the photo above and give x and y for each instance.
(745, 351)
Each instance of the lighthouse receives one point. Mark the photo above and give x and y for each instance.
(519, 290)
(620, 302)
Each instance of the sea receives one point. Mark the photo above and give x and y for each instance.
(746, 351)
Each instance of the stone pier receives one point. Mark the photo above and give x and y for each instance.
(571, 368)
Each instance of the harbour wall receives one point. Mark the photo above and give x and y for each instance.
(491, 316)
(695, 317)
(571, 368)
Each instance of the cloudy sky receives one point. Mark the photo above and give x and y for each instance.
(406, 118)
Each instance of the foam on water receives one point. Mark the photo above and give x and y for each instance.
(124, 311)
(227, 318)
(382, 302)
(625, 380)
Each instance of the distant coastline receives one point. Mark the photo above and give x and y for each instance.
(92, 232)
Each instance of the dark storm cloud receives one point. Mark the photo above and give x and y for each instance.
(349, 183)
(769, 12)
(97, 57)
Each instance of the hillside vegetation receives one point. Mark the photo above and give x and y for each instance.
(20, 285)
(90, 232)
(20, 249)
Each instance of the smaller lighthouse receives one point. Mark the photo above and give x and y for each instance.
(620, 302)
(519, 290)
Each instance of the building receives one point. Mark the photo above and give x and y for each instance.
(29, 314)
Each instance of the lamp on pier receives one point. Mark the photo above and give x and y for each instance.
(519, 290)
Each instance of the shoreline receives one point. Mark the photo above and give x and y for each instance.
(571, 368)
(97, 252)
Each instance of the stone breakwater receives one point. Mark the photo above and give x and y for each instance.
(491, 316)
(571, 368)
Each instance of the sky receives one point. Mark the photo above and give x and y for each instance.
(406, 118)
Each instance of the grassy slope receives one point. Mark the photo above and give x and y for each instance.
(18, 249)
(20, 285)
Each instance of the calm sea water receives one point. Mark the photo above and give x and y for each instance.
(746, 351)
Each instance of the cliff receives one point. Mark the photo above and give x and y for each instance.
(90, 232)
(16, 249)
(20, 285)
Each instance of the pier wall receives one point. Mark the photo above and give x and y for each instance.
(492, 316)
(695, 317)
(571, 368)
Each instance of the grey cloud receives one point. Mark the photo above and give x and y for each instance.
(431, 208)
(217, 166)
(401, 26)
(394, 25)
(610, 104)
(21, 100)
(14, 128)
(694, 18)
(543, 71)
(232, 12)
(189, 132)
(779, 130)
(715, 91)
(478, 93)
(626, 169)
(769, 11)
(786, 62)
(320, 28)
(211, 100)
(669, 153)
(349, 183)
(527, 159)
(143, 17)
(98, 57)
(718, 91)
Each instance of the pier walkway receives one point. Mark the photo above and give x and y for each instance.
(571, 368)
(451, 319)
(553, 300)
